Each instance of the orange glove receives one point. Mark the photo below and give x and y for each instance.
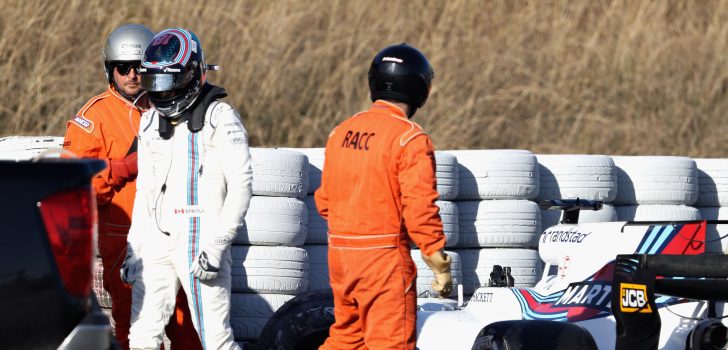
(125, 169)
(440, 263)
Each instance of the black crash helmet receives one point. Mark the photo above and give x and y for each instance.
(401, 73)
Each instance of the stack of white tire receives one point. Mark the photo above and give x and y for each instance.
(317, 239)
(656, 188)
(572, 176)
(448, 180)
(498, 218)
(269, 265)
(28, 147)
(713, 200)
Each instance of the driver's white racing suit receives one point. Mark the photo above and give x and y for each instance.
(193, 190)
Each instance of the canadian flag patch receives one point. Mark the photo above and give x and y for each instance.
(84, 123)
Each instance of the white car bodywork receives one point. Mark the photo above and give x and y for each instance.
(575, 287)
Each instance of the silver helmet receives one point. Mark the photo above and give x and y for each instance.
(126, 43)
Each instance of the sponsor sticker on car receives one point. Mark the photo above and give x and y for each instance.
(633, 298)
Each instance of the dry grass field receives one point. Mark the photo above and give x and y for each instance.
(587, 76)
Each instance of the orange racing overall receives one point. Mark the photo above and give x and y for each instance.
(377, 192)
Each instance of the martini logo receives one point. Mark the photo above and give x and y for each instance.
(633, 298)
(592, 295)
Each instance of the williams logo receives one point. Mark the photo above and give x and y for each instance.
(633, 298)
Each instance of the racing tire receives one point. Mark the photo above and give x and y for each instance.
(655, 180)
(450, 225)
(477, 264)
(425, 276)
(498, 223)
(300, 324)
(534, 335)
(447, 175)
(317, 227)
(712, 182)
(607, 214)
(315, 165)
(274, 221)
(570, 176)
(27, 147)
(496, 174)
(657, 212)
(249, 312)
(269, 270)
(279, 173)
(318, 267)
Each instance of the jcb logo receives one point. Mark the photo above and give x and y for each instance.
(634, 298)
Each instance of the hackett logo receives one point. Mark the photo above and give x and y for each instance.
(633, 298)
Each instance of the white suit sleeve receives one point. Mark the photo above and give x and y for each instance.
(140, 219)
(232, 139)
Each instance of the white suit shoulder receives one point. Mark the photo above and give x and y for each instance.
(222, 114)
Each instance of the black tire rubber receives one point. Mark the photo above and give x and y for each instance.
(300, 324)
(534, 335)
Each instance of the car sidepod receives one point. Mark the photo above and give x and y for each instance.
(458, 329)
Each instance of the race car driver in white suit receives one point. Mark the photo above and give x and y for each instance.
(193, 189)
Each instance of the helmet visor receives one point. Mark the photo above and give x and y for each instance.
(164, 81)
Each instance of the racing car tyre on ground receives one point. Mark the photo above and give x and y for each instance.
(497, 174)
(570, 176)
(498, 223)
(274, 221)
(477, 264)
(300, 324)
(450, 225)
(657, 212)
(534, 335)
(249, 312)
(317, 228)
(607, 214)
(448, 178)
(272, 270)
(26, 147)
(279, 173)
(655, 180)
(425, 276)
(318, 267)
(712, 182)
(315, 165)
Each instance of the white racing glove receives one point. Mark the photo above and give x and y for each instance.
(207, 264)
(130, 266)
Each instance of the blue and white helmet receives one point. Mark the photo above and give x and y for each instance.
(173, 71)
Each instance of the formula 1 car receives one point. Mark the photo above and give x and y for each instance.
(610, 285)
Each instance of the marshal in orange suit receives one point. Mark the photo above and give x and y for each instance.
(377, 193)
